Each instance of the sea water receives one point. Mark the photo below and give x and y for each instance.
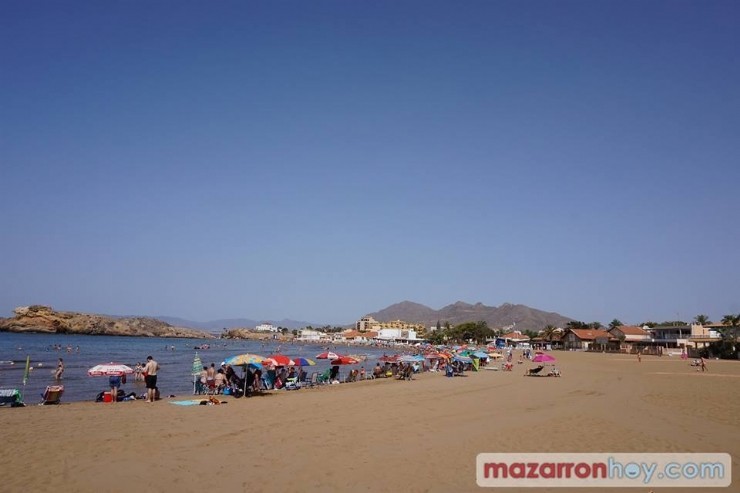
(175, 357)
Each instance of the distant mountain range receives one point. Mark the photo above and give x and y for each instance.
(522, 316)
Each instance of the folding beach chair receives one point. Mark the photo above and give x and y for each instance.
(11, 398)
(52, 395)
(324, 377)
(313, 381)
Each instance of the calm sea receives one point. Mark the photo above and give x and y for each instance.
(175, 357)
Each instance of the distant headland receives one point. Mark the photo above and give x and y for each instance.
(44, 319)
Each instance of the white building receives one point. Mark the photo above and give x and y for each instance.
(266, 328)
(396, 334)
(311, 335)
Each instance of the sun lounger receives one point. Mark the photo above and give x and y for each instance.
(534, 371)
(52, 395)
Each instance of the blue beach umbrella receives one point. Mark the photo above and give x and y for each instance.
(462, 359)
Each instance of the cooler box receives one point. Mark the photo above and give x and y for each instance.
(107, 397)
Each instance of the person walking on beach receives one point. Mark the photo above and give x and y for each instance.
(60, 370)
(150, 377)
(639, 357)
(703, 364)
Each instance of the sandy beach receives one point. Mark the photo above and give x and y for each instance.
(383, 435)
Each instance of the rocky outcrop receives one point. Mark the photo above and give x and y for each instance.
(38, 318)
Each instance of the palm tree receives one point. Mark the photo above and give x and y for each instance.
(615, 323)
(731, 323)
(548, 332)
(702, 320)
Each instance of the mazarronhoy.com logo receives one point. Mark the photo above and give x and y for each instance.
(604, 470)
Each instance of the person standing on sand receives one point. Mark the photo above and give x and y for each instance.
(639, 357)
(150, 377)
(114, 381)
(211, 376)
(703, 363)
(60, 370)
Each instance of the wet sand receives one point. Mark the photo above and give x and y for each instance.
(376, 436)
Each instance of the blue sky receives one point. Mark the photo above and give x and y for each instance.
(322, 160)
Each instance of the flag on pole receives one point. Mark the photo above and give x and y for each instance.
(28, 366)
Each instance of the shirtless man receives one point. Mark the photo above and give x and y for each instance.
(150, 370)
(211, 375)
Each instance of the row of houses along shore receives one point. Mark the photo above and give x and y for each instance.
(624, 338)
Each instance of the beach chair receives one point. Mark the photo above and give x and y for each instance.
(52, 395)
(292, 384)
(324, 377)
(313, 381)
(534, 371)
(10, 397)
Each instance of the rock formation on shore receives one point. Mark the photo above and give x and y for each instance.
(38, 318)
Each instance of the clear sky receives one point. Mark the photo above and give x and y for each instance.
(320, 160)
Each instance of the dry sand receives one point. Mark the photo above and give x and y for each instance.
(376, 436)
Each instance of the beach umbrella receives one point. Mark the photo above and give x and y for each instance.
(328, 355)
(109, 369)
(462, 359)
(26, 374)
(495, 356)
(344, 360)
(278, 360)
(245, 360)
(197, 365)
(388, 359)
(480, 355)
(543, 358)
(301, 361)
(196, 369)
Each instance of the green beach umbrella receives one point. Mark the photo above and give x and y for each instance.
(197, 367)
(27, 371)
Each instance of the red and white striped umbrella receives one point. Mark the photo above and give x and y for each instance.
(278, 360)
(109, 369)
(345, 360)
(328, 355)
